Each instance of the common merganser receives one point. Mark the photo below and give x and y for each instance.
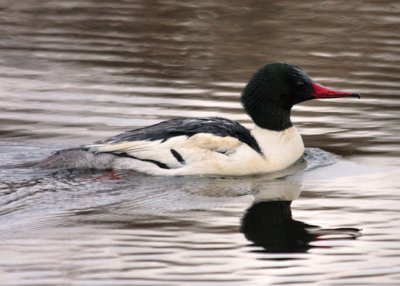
(213, 145)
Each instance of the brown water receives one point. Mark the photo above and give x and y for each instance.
(72, 72)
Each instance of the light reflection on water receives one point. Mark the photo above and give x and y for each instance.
(75, 71)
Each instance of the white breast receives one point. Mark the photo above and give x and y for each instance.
(280, 148)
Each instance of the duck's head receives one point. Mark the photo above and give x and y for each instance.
(275, 88)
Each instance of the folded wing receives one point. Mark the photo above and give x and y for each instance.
(178, 142)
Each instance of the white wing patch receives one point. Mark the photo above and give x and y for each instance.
(214, 143)
(176, 152)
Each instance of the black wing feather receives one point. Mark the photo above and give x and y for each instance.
(188, 126)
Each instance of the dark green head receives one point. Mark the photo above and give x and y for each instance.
(275, 88)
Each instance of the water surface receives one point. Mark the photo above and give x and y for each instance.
(72, 72)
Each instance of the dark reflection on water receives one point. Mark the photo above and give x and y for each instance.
(270, 224)
(72, 72)
(104, 225)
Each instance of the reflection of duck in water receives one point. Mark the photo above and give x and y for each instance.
(213, 146)
(269, 223)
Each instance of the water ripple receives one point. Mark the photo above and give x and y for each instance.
(76, 71)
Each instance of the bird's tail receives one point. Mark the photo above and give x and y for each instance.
(75, 158)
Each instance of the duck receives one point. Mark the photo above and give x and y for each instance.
(213, 145)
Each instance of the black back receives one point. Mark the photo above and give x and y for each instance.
(188, 127)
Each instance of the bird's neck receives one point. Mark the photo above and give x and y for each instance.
(271, 118)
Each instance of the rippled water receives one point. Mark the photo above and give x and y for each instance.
(72, 72)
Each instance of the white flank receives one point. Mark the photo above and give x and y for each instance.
(207, 154)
